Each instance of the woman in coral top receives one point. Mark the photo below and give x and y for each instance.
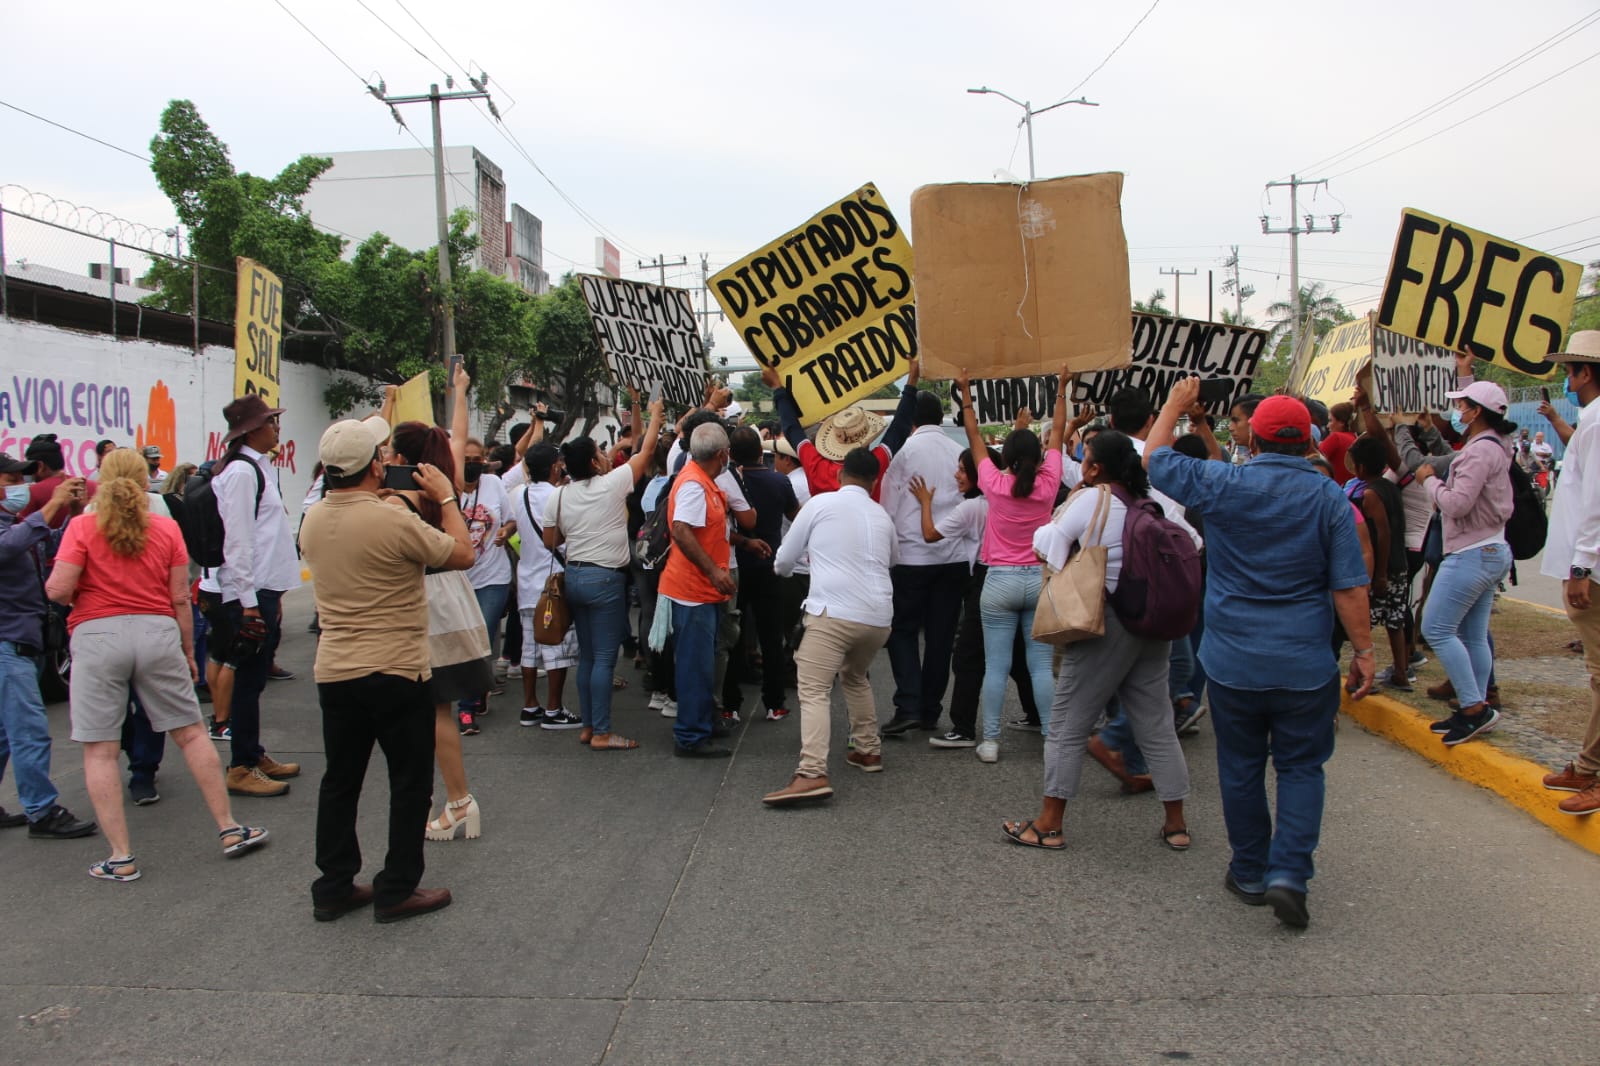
(125, 574)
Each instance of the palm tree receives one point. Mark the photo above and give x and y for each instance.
(1317, 303)
(1156, 305)
(1230, 319)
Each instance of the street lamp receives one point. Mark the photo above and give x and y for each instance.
(1028, 112)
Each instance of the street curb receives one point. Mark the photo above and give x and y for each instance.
(1515, 780)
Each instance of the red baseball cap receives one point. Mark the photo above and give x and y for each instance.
(1281, 419)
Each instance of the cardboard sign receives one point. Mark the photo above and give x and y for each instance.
(649, 335)
(1469, 292)
(413, 401)
(1409, 376)
(1344, 352)
(1164, 350)
(829, 306)
(1012, 280)
(257, 332)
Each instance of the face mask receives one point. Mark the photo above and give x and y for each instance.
(1572, 398)
(474, 471)
(16, 498)
(1456, 423)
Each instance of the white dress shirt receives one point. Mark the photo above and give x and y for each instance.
(1574, 538)
(933, 457)
(257, 547)
(851, 542)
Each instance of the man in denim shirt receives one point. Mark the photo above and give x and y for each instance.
(24, 726)
(1283, 558)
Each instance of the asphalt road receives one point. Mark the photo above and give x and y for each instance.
(637, 908)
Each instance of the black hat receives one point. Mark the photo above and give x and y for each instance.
(9, 465)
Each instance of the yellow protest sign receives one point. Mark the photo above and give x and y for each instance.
(1344, 352)
(1469, 292)
(257, 332)
(413, 401)
(830, 305)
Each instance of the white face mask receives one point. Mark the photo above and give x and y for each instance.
(16, 498)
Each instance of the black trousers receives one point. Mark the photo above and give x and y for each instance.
(927, 607)
(761, 606)
(969, 663)
(397, 713)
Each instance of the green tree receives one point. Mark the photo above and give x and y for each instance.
(1156, 305)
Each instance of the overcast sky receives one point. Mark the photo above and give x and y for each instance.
(718, 126)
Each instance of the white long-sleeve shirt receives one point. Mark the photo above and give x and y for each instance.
(852, 544)
(257, 546)
(1072, 525)
(933, 457)
(1574, 537)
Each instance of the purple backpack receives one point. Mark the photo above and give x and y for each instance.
(1158, 595)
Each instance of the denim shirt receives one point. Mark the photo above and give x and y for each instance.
(24, 547)
(1279, 537)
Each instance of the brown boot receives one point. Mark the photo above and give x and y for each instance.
(799, 790)
(1570, 779)
(278, 771)
(250, 781)
(1442, 691)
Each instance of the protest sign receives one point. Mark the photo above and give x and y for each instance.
(257, 332)
(1012, 280)
(649, 335)
(413, 401)
(1164, 349)
(1409, 376)
(1344, 352)
(830, 305)
(1469, 292)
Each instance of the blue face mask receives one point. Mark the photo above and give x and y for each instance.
(1456, 423)
(16, 498)
(1572, 398)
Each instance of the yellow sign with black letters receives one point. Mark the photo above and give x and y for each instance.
(258, 332)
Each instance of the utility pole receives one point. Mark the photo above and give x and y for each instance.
(1028, 112)
(1294, 231)
(1231, 284)
(705, 303)
(434, 98)
(1177, 288)
(661, 262)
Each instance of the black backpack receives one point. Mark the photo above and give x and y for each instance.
(1528, 525)
(196, 512)
(1159, 591)
(654, 539)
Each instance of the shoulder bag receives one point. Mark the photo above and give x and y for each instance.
(1072, 601)
(552, 617)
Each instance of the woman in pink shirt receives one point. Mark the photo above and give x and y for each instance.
(1021, 491)
(125, 574)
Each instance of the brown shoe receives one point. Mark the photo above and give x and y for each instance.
(1444, 690)
(1111, 760)
(360, 896)
(278, 771)
(872, 764)
(799, 790)
(1137, 783)
(1585, 802)
(250, 781)
(422, 901)
(1570, 780)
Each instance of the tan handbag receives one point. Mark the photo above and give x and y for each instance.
(551, 615)
(1072, 600)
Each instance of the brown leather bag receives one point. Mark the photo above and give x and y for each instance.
(1072, 601)
(552, 617)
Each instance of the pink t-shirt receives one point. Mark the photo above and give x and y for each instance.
(115, 584)
(1008, 534)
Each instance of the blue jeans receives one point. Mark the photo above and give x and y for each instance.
(144, 745)
(1118, 736)
(694, 634)
(1456, 623)
(1010, 594)
(1180, 668)
(1198, 679)
(598, 598)
(25, 730)
(492, 601)
(1296, 730)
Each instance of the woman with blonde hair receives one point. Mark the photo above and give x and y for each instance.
(125, 574)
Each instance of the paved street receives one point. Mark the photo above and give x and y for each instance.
(636, 908)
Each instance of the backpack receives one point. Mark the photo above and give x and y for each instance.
(196, 513)
(1158, 594)
(1528, 525)
(654, 539)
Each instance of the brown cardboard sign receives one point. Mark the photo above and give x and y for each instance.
(1014, 280)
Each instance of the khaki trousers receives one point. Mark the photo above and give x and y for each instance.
(833, 646)
(1588, 623)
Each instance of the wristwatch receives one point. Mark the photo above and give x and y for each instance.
(1580, 573)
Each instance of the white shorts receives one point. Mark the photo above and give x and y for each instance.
(141, 650)
(547, 656)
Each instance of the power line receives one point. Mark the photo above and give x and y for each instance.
(1113, 51)
(79, 133)
(1543, 81)
(426, 58)
(1466, 90)
(354, 73)
(1564, 225)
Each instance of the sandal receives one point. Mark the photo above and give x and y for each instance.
(1014, 831)
(585, 735)
(619, 682)
(248, 837)
(611, 742)
(115, 870)
(1168, 835)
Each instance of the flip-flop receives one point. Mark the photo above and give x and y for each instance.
(1014, 834)
(1167, 835)
(613, 742)
(619, 682)
(582, 739)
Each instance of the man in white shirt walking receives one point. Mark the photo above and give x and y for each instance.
(1571, 553)
(930, 578)
(242, 598)
(851, 544)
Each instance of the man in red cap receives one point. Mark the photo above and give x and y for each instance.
(241, 599)
(1283, 558)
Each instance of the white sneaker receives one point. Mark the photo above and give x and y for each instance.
(514, 670)
(658, 700)
(502, 667)
(989, 751)
(669, 709)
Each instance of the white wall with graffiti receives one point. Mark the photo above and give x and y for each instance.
(85, 388)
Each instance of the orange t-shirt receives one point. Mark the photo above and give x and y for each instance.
(114, 584)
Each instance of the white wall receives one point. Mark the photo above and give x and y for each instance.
(86, 387)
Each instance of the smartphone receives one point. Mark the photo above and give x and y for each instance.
(1215, 390)
(399, 477)
(1546, 394)
(455, 361)
(655, 391)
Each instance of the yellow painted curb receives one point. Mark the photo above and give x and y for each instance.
(1516, 780)
(1536, 606)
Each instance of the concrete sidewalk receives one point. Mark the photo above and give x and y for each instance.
(637, 908)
